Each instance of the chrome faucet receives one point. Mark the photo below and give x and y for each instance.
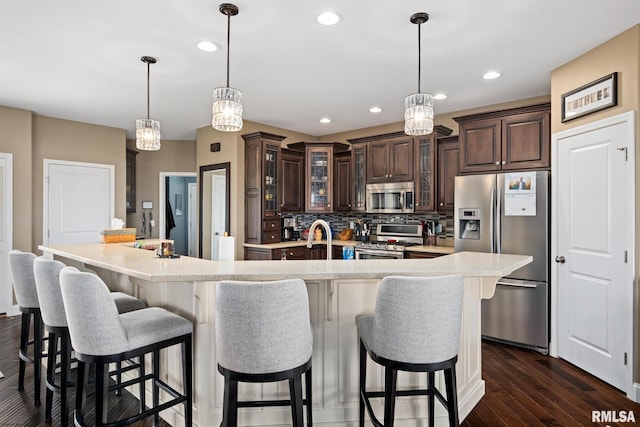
(327, 229)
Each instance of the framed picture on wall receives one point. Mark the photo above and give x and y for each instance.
(595, 96)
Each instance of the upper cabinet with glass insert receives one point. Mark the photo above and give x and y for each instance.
(262, 182)
(319, 173)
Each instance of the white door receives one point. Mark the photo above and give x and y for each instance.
(218, 211)
(594, 203)
(78, 201)
(6, 232)
(193, 219)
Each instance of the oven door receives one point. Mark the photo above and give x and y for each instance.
(378, 254)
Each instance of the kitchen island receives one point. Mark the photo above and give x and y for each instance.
(338, 290)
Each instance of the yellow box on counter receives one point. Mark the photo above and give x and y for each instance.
(118, 235)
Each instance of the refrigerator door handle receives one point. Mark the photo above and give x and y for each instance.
(518, 285)
(491, 220)
(499, 221)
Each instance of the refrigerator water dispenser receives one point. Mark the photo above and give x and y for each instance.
(469, 226)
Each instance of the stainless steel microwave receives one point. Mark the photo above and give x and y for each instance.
(392, 197)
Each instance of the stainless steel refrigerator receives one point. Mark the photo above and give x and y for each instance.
(509, 213)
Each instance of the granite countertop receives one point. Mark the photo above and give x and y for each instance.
(144, 264)
(336, 242)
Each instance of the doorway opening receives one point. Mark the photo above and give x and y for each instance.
(177, 210)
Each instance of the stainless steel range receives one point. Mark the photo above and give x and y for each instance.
(391, 241)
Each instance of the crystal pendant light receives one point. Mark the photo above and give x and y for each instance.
(418, 107)
(227, 101)
(148, 130)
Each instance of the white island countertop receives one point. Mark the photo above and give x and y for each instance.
(144, 264)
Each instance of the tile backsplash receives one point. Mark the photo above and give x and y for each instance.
(341, 221)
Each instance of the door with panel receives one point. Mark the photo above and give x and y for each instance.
(593, 205)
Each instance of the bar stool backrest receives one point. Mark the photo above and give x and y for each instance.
(24, 284)
(47, 275)
(94, 323)
(418, 319)
(262, 327)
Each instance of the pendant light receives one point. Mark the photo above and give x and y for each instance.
(227, 101)
(148, 130)
(418, 108)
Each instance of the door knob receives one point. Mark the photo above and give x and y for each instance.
(560, 259)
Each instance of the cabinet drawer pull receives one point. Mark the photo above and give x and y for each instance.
(498, 162)
(504, 162)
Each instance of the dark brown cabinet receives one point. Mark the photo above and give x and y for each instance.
(131, 180)
(262, 195)
(359, 177)
(390, 159)
(319, 175)
(422, 255)
(342, 184)
(426, 161)
(512, 139)
(292, 182)
(448, 168)
(265, 254)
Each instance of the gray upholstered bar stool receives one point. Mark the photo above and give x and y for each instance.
(24, 285)
(47, 277)
(263, 334)
(415, 327)
(100, 336)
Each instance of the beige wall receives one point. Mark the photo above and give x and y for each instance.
(173, 156)
(232, 151)
(79, 142)
(621, 54)
(15, 138)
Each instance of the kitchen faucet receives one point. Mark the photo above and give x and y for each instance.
(327, 229)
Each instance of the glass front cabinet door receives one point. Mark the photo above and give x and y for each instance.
(319, 174)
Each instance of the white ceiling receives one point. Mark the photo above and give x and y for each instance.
(80, 60)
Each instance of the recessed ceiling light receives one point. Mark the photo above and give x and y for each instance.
(325, 120)
(328, 18)
(375, 110)
(491, 75)
(207, 46)
(440, 96)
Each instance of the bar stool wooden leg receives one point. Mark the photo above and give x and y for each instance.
(141, 388)
(363, 375)
(452, 395)
(295, 392)
(65, 363)
(187, 379)
(102, 392)
(50, 375)
(24, 342)
(307, 392)
(390, 377)
(230, 404)
(37, 355)
(431, 397)
(155, 390)
(81, 391)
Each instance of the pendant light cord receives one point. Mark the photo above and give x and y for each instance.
(228, 44)
(148, 74)
(419, 56)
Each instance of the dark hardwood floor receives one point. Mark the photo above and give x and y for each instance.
(17, 408)
(523, 388)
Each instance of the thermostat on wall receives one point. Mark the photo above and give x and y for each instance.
(147, 205)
